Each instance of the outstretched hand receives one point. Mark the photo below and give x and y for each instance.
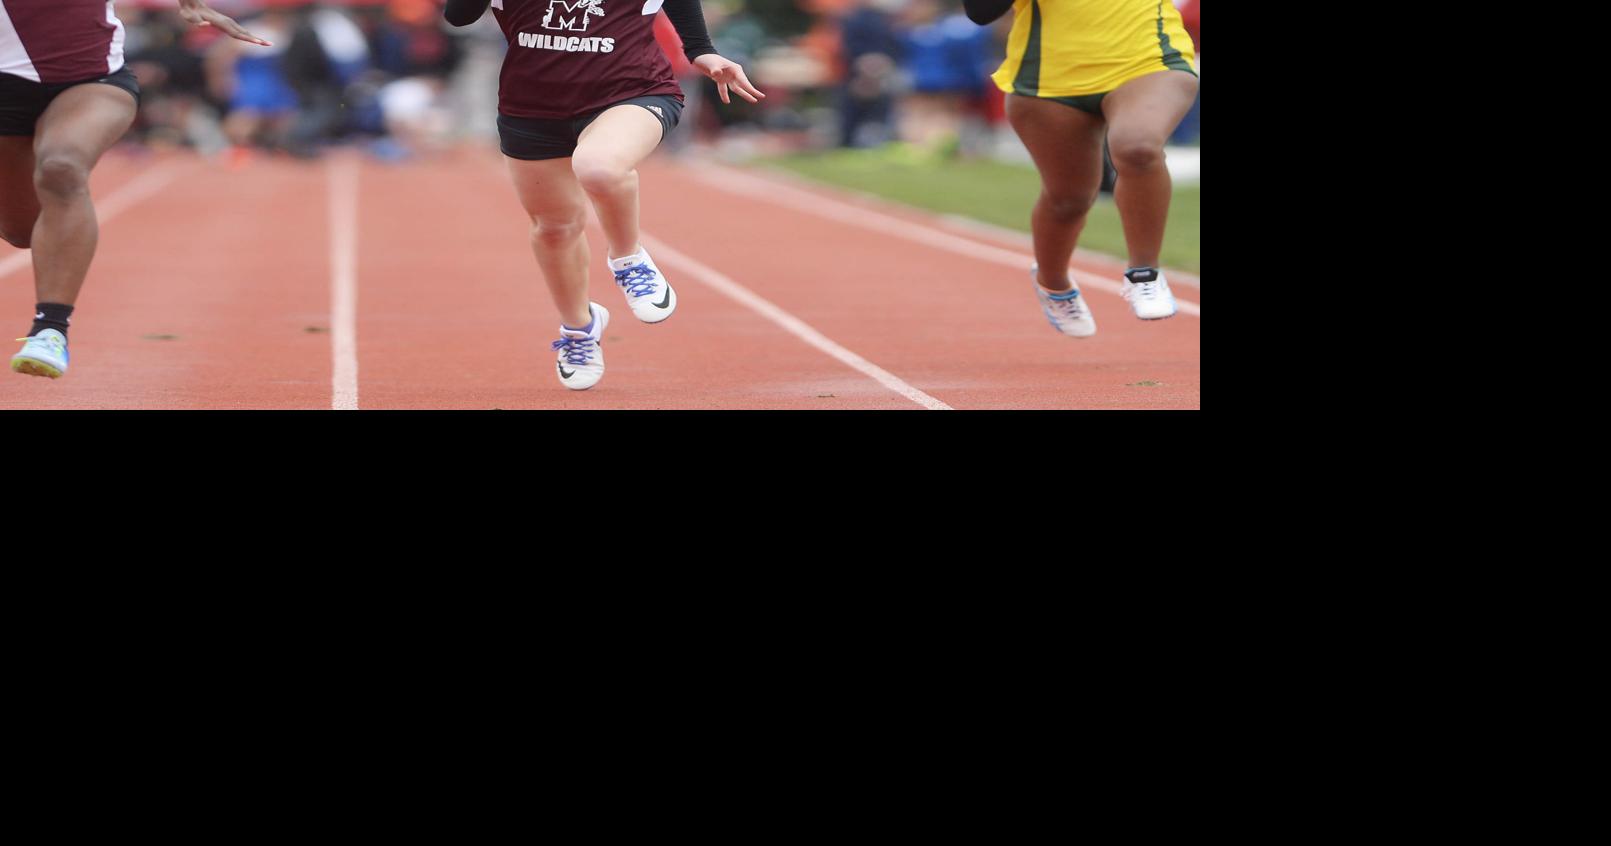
(196, 13)
(728, 75)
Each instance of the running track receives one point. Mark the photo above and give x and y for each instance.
(348, 283)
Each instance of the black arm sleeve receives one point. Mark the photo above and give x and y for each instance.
(465, 12)
(982, 12)
(689, 20)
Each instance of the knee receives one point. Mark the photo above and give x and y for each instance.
(557, 231)
(61, 176)
(1136, 154)
(1068, 207)
(601, 177)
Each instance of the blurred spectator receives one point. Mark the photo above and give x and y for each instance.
(377, 73)
(312, 73)
(253, 81)
(413, 58)
(406, 38)
(342, 40)
(175, 108)
(948, 60)
(871, 51)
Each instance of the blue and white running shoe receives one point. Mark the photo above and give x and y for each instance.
(44, 354)
(646, 289)
(1067, 311)
(580, 358)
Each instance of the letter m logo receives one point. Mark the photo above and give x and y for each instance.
(571, 15)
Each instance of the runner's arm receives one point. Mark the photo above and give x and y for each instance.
(465, 12)
(688, 18)
(982, 12)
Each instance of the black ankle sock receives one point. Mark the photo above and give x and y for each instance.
(1141, 275)
(51, 316)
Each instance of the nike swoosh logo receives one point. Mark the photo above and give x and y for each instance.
(665, 303)
(652, 6)
(563, 374)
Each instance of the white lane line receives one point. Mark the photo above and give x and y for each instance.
(134, 191)
(343, 172)
(777, 193)
(791, 324)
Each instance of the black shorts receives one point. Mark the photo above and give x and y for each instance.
(534, 139)
(22, 101)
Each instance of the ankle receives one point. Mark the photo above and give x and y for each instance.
(585, 324)
(1041, 281)
(51, 316)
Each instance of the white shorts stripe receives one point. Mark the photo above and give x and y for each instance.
(114, 62)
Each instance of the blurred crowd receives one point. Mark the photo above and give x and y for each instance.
(373, 71)
(393, 76)
(917, 71)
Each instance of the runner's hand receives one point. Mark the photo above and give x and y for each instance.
(196, 13)
(728, 75)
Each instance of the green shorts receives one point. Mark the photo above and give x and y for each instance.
(1091, 104)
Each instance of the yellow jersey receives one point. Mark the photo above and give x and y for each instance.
(1073, 48)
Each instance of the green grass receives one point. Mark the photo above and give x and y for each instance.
(993, 192)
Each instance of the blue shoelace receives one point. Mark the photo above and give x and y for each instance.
(578, 351)
(1068, 306)
(638, 280)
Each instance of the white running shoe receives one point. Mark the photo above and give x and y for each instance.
(1067, 311)
(580, 358)
(44, 354)
(1148, 293)
(645, 287)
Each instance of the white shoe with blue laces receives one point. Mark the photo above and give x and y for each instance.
(1067, 311)
(580, 358)
(44, 354)
(645, 287)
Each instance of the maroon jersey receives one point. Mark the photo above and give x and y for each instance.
(55, 41)
(570, 57)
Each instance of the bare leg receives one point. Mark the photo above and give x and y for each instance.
(19, 207)
(1142, 113)
(1066, 145)
(81, 124)
(606, 161)
(558, 211)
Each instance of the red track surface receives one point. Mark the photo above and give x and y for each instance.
(213, 290)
